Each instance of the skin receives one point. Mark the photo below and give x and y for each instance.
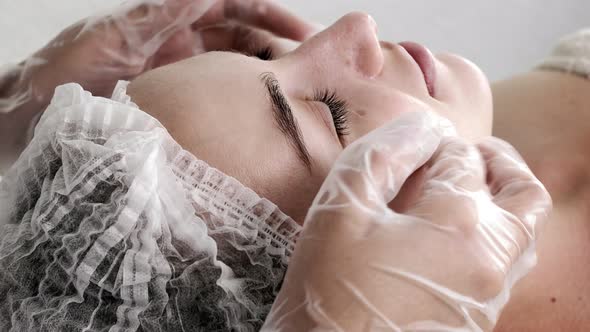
(544, 114)
(216, 106)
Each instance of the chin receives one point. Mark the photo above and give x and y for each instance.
(472, 96)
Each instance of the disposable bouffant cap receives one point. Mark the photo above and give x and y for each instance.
(108, 224)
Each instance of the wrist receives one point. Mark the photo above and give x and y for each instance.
(9, 83)
(20, 107)
(17, 91)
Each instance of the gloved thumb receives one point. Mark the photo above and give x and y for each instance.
(370, 172)
(146, 26)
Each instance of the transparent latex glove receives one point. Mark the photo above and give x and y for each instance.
(99, 51)
(444, 260)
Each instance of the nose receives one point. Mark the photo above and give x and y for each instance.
(351, 42)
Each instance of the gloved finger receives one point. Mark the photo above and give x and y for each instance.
(235, 37)
(370, 172)
(182, 45)
(148, 25)
(453, 182)
(515, 188)
(263, 14)
(456, 165)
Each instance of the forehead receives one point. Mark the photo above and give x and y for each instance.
(223, 90)
(212, 85)
(224, 65)
(216, 106)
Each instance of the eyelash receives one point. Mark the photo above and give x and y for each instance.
(337, 108)
(264, 53)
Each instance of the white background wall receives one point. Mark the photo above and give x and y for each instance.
(502, 36)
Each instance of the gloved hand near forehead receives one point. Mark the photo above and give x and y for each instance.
(445, 260)
(99, 51)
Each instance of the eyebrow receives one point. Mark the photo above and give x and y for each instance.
(284, 118)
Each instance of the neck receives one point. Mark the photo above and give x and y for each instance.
(546, 116)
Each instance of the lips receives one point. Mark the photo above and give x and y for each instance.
(425, 61)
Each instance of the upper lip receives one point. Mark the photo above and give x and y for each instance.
(425, 61)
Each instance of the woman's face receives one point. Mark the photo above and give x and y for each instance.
(278, 125)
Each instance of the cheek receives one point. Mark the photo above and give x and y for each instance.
(372, 110)
(263, 161)
(269, 167)
(287, 182)
(293, 191)
(281, 178)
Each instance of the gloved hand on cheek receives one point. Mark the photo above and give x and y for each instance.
(446, 260)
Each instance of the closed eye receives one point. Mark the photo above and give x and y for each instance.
(338, 110)
(264, 53)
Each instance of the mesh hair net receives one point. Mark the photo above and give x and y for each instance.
(108, 224)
